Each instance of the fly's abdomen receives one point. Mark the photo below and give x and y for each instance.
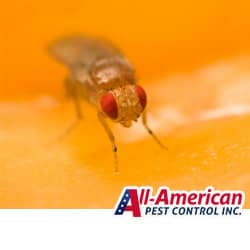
(81, 50)
(93, 61)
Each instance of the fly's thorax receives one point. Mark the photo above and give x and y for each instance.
(123, 104)
(111, 72)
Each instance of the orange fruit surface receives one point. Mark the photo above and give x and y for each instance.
(193, 59)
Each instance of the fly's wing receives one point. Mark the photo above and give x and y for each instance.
(79, 52)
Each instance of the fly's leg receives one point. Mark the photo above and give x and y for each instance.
(71, 90)
(145, 124)
(111, 137)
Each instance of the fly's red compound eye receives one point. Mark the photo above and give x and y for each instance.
(109, 105)
(141, 95)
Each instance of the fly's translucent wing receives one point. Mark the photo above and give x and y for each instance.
(81, 51)
(86, 55)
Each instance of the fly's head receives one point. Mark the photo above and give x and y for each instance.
(124, 104)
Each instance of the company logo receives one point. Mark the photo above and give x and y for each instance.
(139, 201)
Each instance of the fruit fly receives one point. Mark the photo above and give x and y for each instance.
(103, 76)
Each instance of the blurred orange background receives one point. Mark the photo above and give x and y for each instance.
(162, 39)
(158, 36)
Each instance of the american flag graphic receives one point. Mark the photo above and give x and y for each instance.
(129, 195)
(123, 203)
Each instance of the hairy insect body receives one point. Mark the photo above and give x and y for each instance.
(102, 75)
